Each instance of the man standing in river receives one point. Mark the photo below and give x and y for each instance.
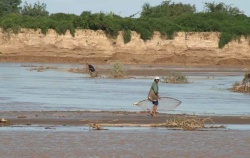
(154, 96)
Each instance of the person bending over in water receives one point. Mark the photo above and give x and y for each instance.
(90, 69)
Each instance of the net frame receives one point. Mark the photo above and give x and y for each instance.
(171, 104)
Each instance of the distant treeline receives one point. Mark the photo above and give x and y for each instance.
(167, 18)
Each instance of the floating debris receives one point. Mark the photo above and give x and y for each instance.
(50, 128)
(21, 116)
(76, 70)
(188, 123)
(4, 122)
(175, 77)
(96, 127)
(244, 86)
(43, 68)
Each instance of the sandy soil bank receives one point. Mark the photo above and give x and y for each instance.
(106, 118)
(186, 48)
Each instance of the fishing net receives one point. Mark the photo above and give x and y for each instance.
(165, 104)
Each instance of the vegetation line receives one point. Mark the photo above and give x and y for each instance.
(166, 18)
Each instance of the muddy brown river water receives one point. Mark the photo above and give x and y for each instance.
(208, 94)
(65, 142)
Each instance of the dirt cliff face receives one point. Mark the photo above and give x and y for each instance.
(95, 46)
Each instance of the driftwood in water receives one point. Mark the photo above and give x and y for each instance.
(4, 122)
(96, 127)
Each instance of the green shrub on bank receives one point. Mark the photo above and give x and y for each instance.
(62, 27)
(225, 38)
(7, 23)
(15, 22)
(126, 36)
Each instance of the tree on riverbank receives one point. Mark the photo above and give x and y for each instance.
(37, 9)
(9, 7)
(167, 9)
(222, 8)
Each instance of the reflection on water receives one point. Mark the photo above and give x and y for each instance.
(24, 90)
